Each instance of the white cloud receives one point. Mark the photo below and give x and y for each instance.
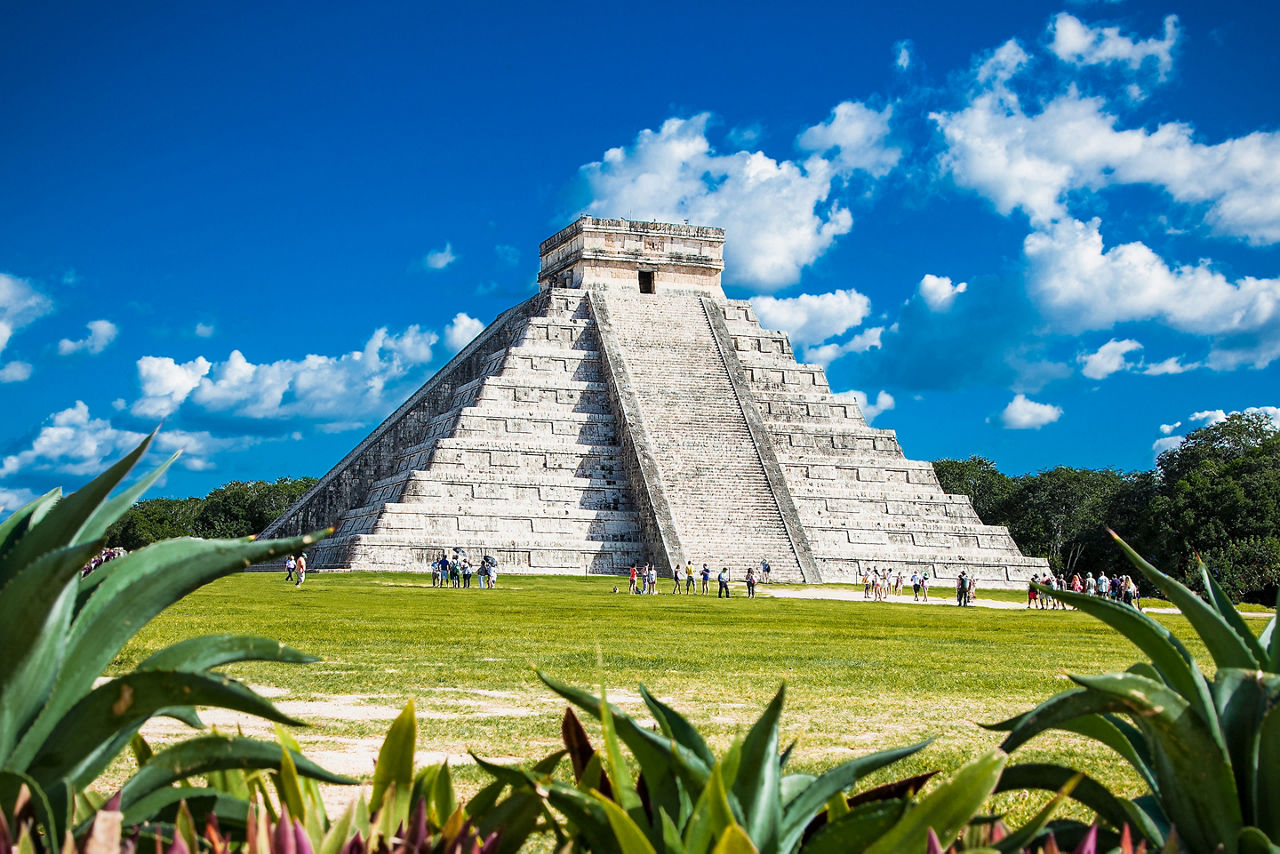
(825, 354)
(854, 135)
(12, 499)
(438, 259)
(101, 333)
(461, 330)
(938, 292)
(204, 330)
(1209, 416)
(1159, 446)
(1025, 414)
(902, 55)
(1080, 44)
(1003, 63)
(884, 402)
(74, 442)
(1034, 162)
(20, 304)
(1171, 365)
(1166, 429)
(1109, 359)
(15, 372)
(778, 215)
(1214, 416)
(813, 318)
(312, 387)
(1081, 285)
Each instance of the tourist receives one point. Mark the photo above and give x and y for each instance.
(688, 579)
(1126, 590)
(706, 578)
(435, 571)
(866, 584)
(301, 569)
(1031, 591)
(466, 573)
(915, 584)
(962, 589)
(1090, 586)
(1102, 585)
(675, 577)
(897, 584)
(971, 593)
(751, 582)
(723, 578)
(1048, 598)
(493, 575)
(924, 586)
(289, 566)
(631, 587)
(764, 571)
(653, 580)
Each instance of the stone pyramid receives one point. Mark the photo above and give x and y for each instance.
(630, 412)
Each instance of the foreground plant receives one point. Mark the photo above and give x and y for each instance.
(59, 632)
(1208, 749)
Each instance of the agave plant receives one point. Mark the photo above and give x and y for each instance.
(59, 631)
(685, 800)
(1208, 749)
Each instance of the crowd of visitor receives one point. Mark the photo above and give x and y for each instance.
(1121, 589)
(105, 556)
(457, 571)
(643, 580)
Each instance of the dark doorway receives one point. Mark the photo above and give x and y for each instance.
(646, 281)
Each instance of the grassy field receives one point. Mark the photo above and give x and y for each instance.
(860, 676)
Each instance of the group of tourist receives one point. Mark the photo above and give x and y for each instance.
(105, 556)
(643, 580)
(457, 571)
(1121, 589)
(295, 569)
(877, 584)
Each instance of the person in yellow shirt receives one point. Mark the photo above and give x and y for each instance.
(688, 579)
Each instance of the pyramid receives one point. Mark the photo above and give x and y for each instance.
(630, 413)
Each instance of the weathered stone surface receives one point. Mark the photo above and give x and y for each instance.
(630, 412)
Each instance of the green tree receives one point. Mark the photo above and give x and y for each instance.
(153, 520)
(242, 508)
(1061, 514)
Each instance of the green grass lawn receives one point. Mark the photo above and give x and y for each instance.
(860, 676)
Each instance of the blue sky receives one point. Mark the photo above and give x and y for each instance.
(1047, 233)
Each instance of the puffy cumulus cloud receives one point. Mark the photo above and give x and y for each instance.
(1167, 429)
(938, 292)
(438, 259)
(1023, 413)
(312, 387)
(813, 318)
(883, 403)
(1110, 358)
(825, 354)
(166, 384)
(854, 138)
(101, 333)
(74, 442)
(1081, 285)
(15, 372)
(461, 330)
(1076, 42)
(1033, 162)
(1165, 443)
(1209, 417)
(778, 214)
(1002, 64)
(20, 304)
(12, 499)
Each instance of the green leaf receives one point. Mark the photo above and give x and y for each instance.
(1227, 610)
(201, 801)
(624, 791)
(800, 810)
(138, 587)
(73, 749)
(395, 757)
(677, 727)
(53, 822)
(1242, 698)
(735, 841)
(1195, 781)
(35, 612)
(711, 815)
(1225, 647)
(203, 754)
(1060, 709)
(209, 651)
(858, 829)
(1023, 836)
(1267, 782)
(1167, 653)
(113, 508)
(20, 521)
(66, 522)
(443, 799)
(288, 787)
(946, 809)
(756, 785)
(339, 832)
(628, 835)
(1253, 841)
(1119, 736)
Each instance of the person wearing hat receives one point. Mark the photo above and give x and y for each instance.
(301, 569)
(962, 588)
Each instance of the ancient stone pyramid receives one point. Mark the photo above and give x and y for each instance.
(631, 412)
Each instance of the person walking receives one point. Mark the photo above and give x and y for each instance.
(723, 578)
(962, 589)
(301, 569)
(924, 587)
(915, 585)
(675, 576)
(289, 566)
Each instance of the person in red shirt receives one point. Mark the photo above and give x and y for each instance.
(632, 587)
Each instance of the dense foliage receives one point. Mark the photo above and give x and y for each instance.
(237, 509)
(1217, 495)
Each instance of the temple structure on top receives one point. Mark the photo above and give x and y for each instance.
(630, 412)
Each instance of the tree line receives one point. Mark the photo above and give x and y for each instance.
(237, 509)
(1217, 495)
